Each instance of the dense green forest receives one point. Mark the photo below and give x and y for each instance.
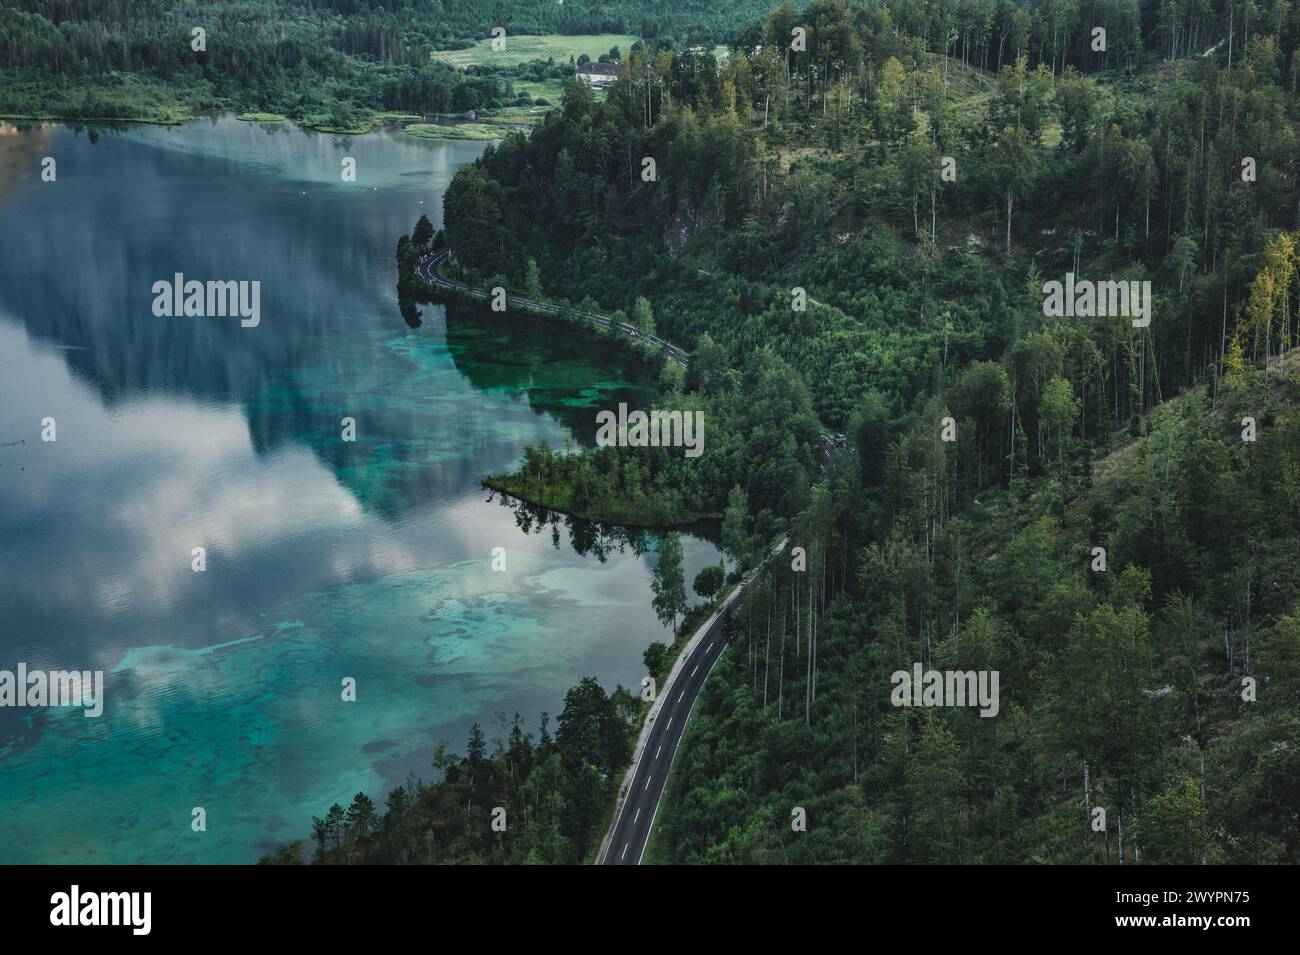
(919, 202)
(1122, 689)
(331, 64)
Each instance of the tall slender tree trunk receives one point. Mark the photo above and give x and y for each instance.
(780, 692)
(767, 657)
(1008, 221)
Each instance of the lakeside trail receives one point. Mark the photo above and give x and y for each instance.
(430, 266)
(646, 779)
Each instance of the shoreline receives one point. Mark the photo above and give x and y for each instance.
(426, 124)
(508, 485)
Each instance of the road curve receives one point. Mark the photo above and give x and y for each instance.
(428, 266)
(643, 786)
(649, 775)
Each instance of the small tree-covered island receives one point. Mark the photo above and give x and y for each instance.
(851, 221)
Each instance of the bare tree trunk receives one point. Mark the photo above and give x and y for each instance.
(932, 217)
(807, 678)
(1008, 221)
(780, 692)
(767, 657)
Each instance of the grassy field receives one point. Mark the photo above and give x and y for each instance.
(550, 90)
(517, 115)
(521, 49)
(459, 131)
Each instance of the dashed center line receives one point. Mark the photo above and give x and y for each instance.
(624, 852)
(637, 816)
(693, 672)
(647, 783)
(679, 698)
(657, 752)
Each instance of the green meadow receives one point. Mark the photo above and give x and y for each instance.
(459, 131)
(550, 90)
(522, 49)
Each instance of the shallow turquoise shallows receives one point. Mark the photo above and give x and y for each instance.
(325, 559)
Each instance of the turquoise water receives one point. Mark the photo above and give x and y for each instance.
(325, 559)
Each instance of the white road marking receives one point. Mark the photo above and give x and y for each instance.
(706, 652)
(670, 723)
(693, 672)
(637, 816)
(623, 853)
(647, 783)
(657, 752)
(680, 695)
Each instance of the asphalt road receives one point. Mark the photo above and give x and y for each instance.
(632, 828)
(427, 269)
(637, 814)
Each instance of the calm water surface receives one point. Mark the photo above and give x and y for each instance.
(325, 559)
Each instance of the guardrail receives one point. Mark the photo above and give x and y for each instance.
(428, 270)
(664, 692)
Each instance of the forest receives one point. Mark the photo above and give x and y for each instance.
(335, 65)
(555, 792)
(1116, 526)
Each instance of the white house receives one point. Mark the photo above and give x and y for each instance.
(598, 75)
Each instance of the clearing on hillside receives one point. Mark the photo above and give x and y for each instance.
(522, 48)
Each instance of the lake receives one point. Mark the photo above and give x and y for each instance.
(326, 559)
